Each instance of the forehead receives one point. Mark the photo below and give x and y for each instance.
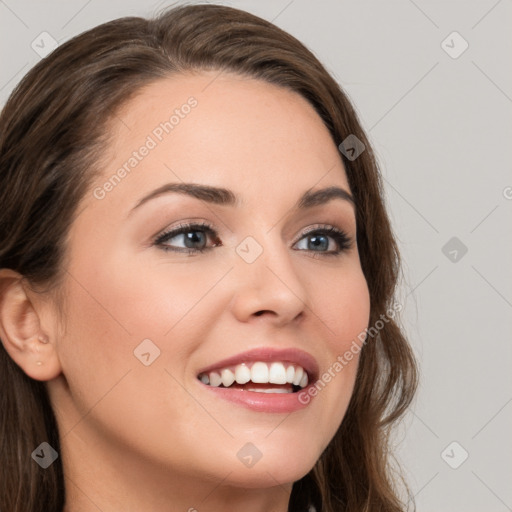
(213, 128)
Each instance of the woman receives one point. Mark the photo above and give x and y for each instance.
(197, 278)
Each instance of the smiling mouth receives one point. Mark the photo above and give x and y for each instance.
(259, 377)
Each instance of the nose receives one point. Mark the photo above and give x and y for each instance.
(268, 287)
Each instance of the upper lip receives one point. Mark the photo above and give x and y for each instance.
(268, 354)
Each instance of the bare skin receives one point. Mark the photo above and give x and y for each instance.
(138, 437)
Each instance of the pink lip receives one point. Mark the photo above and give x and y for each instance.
(266, 402)
(267, 355)
(263, 402)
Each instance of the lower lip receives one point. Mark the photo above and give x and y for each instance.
(263, 402)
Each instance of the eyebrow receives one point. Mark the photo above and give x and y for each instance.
(225, 197)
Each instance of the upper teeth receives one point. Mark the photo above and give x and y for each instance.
(258, 372)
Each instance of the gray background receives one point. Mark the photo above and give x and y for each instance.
(442, 130)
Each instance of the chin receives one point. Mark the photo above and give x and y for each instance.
(270, 465)
(269, 475)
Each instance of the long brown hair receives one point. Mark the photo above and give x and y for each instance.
(52, 133)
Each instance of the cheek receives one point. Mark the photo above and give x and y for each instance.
(152, 297)
(343, 306)
(344, 311)
(115, 305)
(125, 300)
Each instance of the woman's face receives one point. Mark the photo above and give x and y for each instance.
(148, 314)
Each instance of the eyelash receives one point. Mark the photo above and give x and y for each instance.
(340, 237)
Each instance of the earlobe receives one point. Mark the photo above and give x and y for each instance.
(21, 329)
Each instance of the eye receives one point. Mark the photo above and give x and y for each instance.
(318, 240)
(193, 236)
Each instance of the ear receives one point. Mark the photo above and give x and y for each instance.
(21, 319)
